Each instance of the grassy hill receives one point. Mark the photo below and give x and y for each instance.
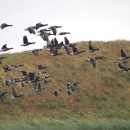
(103, 93)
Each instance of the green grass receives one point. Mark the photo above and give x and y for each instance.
(103, 92)
(69, 125)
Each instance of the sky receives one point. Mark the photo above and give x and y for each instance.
(96, 20)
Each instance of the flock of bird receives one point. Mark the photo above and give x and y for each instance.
(53, 46)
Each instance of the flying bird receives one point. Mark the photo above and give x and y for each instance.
(18, 66)
(35, 52)
(122, 67)
(2, 96)
(8, 68)
(15, 95)
(38, 25)
(38, 88)
(93, 60)
(1, 58)
(31, 29)
(40, 67)
(4, 25)
(54, 51)
(54, 29)
(68, 43)
(69, 91)
(56, 92)
(25, 41)
(91, 48)
(74, 52)
(23, 83)
(63, 33)
(123, 55)
(5, 48)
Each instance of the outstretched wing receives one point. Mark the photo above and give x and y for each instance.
(74, 49)
(66, 41)
(123, 53)
(14, 92)
(4, 46)
(90, 45)
(35, 52)
(25, 39)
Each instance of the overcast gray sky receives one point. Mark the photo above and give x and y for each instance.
(85, 19)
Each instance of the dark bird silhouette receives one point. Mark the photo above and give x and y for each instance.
(38, 25)
(31, 29)
(23, 83)
(123, 55)
(4, 25)
(5, 48)
(46, 76)
(18, 66)
(15, 95)
(38, 87)
(56, 92)
(55, 43)
(122, 67)
(33, 78)
(25, 41)
(7, 82)
(91, 48)
(11, 81)
(69, 91)
(1, 58)
(2, 96)
(93, 60)
(54, 51)
(71, 85)
(45, 81)
(67, 48)
(63, 33)
(74, 52)
(68, 43)
(35, 52)
(24, 76)
(40, 67)
(8, 68)
(44, 31)
(54, 29)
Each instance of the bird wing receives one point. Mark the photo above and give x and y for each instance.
(25, 39)
(74, 49)
(4, 46)
(39, 86)
(55, 93)
(123, 53)
(1, 98)
(66, 41)
(35, 52)
(24, 73)
(14, 92)
(54, 30)
(90, 45)
(55, 41)
(67, 48)
(31, 30)
(121, 65)
(93, 60)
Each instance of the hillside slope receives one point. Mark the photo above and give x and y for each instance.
(102, 92)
